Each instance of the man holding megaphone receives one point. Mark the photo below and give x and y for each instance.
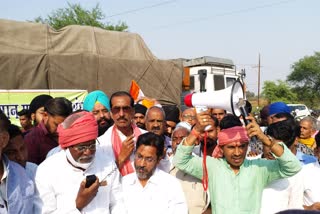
(235, 183)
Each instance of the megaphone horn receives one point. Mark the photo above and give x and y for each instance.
(227, 98)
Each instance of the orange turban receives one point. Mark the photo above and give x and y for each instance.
(230, 135)
(77, 128)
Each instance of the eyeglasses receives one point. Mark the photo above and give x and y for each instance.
(82, 148)
(179, 139)
(147, 159)
(117, 109)
(189, 117)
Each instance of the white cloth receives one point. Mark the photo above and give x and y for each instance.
(283, 194)
(58, 183)
(105, 141)
(311, 178)
(162, 194)
(106, 145)
(31, 169)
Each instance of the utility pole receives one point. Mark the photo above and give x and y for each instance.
(259, 82)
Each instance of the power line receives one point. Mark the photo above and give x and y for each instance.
(141, 8)
(227, 13)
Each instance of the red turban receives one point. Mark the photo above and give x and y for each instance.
(230, 135)
(77, 128)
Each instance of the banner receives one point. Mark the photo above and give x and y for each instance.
(13, 101)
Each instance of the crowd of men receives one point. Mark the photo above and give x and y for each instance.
(119, 156)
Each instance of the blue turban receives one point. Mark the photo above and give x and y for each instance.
(96, 96)
(278, 107)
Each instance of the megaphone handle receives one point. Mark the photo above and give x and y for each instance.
(244, 115)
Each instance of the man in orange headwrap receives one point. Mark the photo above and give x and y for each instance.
(235, 183)
(63, 180)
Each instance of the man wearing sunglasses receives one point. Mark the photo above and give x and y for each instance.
(119, 140)
(80, 178)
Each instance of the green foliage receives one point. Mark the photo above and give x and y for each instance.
(249, 94)
(279, 91)
(305, 79)
(76, 15)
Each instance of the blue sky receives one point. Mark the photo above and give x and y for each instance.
(281, 31)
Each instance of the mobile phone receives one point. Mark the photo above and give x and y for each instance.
(90, 179)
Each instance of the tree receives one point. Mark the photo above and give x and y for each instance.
(305, 79)
(76, 15)
(250, 94)
(279, 91)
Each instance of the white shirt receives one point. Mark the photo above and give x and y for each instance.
(283, 194)
(311, 175)
(162, 194)
(105, 142)
(58, 183)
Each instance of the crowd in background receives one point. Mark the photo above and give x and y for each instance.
(117, 155)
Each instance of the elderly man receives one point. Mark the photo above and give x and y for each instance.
(119, 140)
(98, 103)
(151, 190)
(139, 115)
(156, 123)
(192, 187)
(17, 190)
(190, 116)
(308, 129)
(42, 138)
(80, 178)
(235, 183)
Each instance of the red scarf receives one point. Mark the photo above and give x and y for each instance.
(117, 145)
(236, 134)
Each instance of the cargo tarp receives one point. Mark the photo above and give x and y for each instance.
(35, 56)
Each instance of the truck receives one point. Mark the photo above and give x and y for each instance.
(208, 73)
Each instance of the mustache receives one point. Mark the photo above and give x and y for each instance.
(140, 168)
(102, 119)
(155, 128)
(122, 118)
(85, 157)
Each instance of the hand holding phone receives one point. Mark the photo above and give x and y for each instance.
(90, 179)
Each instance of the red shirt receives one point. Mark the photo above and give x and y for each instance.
(39, 142)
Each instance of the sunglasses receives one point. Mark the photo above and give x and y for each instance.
(117, 109)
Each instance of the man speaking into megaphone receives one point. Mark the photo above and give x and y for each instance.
(235, 183)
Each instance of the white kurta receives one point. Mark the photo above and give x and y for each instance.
(162, 194)
(58, 183)
(311, 178)
(283, 194)
(106, 145)
(105, 141)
